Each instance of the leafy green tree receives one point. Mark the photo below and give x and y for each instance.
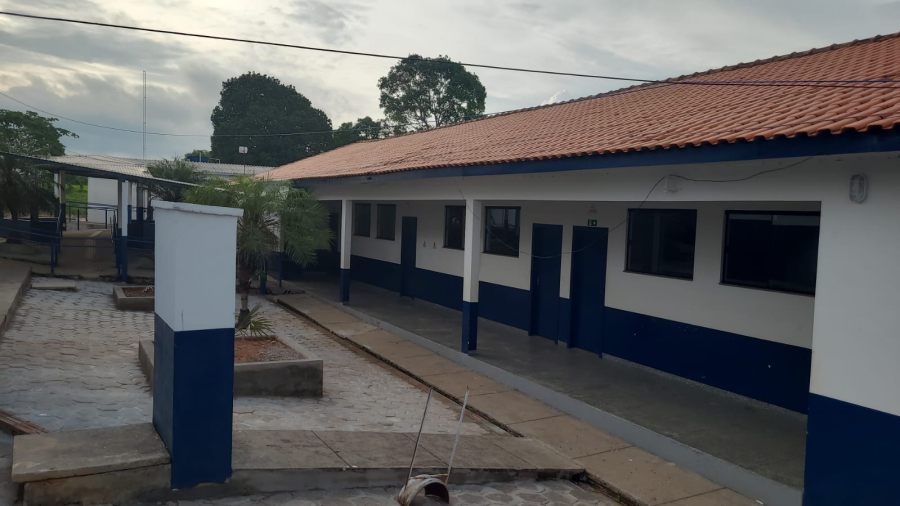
(274, 213)
(258, 104)
(364, 129)
(430, 92)
(23, 186)
(175, 170)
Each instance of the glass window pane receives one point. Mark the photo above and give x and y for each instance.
(386, 222)
(362, 219)
(454, 227)
(772, 250)
(502, 231)
(677, 231)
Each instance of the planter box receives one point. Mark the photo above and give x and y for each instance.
(283, 378)
(132, 303)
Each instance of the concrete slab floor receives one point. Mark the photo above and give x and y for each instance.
(767, 440)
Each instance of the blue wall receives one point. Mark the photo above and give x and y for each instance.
(764, 370)
(771, 372)
(850, 454)
(192, 401)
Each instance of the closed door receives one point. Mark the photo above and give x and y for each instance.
(408, 255)
(588, 287)
(546, 251)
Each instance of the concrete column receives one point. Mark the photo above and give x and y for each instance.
(346, 238)
(120, 199)
(62, 186)
(124, 202)
(471, 273)
(194, 339)
(853, 428)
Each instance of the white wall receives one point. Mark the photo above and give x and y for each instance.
(856, 343)
(702, 301)
(101, 191)
(854, 336)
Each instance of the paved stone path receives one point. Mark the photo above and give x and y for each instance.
(69, 361)
(518, 493)
(630, 472)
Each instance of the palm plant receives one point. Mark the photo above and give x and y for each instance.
(275, 214)
(175, 170)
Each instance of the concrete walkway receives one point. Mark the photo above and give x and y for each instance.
(121, 464)
(627, 472)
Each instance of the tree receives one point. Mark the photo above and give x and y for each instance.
(23, 186)
(425, 92)
(364, 129)
(271, 210)
(258, 104)
(174, 170)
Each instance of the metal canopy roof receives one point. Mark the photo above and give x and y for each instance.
(219, 169)
(101, 167)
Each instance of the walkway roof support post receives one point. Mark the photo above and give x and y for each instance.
(471, 274)
(346, 239)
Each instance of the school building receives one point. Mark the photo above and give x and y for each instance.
(738, 228)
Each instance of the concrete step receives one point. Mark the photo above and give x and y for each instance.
(130, 463)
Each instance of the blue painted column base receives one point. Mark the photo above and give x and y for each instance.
(469, 326)
(193, 389)
(850, 454)
(345, 286)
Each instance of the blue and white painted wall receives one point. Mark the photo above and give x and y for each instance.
(755, 342)
(194, 339)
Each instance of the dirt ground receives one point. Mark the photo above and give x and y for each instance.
(267, 349)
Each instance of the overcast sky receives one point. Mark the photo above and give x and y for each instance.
(94, 74)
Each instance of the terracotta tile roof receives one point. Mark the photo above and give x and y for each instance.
(650, 116)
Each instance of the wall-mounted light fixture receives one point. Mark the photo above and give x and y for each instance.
(592, 212)
(859, 188)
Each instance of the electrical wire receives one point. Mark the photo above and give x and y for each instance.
(819, 83)
(644, 201)
(646, 136)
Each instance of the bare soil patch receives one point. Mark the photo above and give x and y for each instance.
(138, 291)
(267, 349)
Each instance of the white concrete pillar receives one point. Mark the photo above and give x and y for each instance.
(119, 200)
(124, 202)
(853, 428)
(193, 376)
(471, 274)
(346, 239)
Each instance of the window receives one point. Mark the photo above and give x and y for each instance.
(661, 242)
(362, 219)
(454, 227)
(501, 236)
(386, 223)
(774, 250)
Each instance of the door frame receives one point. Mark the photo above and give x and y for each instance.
(407, 272)
(533, 282)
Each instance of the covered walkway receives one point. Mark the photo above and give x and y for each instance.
(764, 439)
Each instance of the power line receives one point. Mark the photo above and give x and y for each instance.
(646, 136)
(818, 83)
(644, 201)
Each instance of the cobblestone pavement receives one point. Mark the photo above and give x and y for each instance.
(69, 361)
(518, 493)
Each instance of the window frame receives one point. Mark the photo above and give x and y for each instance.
(739, 284)
(356, 221)
(462, 232)
(486, 215)
(628, 242)
(393, 234)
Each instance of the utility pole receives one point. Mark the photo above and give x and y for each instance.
(144, 136)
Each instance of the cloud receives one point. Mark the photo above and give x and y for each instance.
(559, 96)
(94, 74)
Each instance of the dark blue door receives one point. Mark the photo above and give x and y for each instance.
(588, 287)
(546, 262)
(408, 255)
